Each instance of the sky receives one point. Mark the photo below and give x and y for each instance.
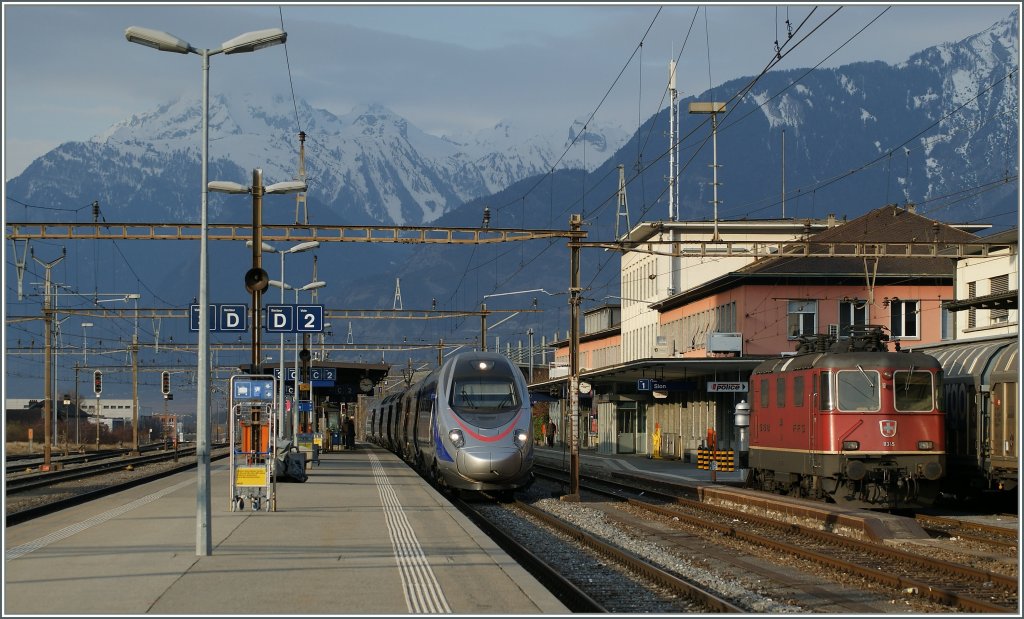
(69, 73)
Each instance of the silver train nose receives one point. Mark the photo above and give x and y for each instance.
(495, 463)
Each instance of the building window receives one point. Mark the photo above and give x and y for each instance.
(999, 284)
(904, 320)
(948, 324)
(852, 313)
(803, 318)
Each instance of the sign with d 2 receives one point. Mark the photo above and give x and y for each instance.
(309, 318)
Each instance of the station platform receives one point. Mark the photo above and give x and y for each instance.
(727, 486)
(666, 468)
(365, 534)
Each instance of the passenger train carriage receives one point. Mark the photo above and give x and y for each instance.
(465, 426)
(849, 422)
(981, 402)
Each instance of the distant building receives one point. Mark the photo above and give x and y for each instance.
(112, 412)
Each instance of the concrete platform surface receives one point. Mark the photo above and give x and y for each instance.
(364, 535)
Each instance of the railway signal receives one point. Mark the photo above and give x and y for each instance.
(165, 382)
(97, 382)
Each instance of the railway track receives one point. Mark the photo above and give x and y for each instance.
(975, 531)
(37, 494)
(89, 468)
(587, 573)
(906, 573)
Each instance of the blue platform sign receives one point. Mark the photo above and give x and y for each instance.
(322, 377)
(654, 384)
(280, 319)
(226, 317)
(232, 317)
(305, 406)
(309, 318)
(211, 317)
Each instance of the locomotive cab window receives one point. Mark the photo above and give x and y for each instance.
(482, 394)
(858, 390)
(825, 391)
(913, 390)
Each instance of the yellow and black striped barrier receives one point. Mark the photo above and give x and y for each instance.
(725, 460)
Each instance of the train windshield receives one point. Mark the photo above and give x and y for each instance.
(858, 390)
(481, 387)
(914, 390)
(480, 395)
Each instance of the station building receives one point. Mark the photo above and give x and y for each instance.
(691, 329)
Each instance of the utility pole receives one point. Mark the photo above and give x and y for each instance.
(135, 378)
(47, 366)
(78, 409)
(258, 283)
(575, 223)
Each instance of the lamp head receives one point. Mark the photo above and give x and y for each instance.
(252, 41)
(265, 246)
(157, 40)
(286, 187)
(313, 286)
(303, 247)
(227, 187)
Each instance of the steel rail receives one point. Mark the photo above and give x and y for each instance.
(651, 572)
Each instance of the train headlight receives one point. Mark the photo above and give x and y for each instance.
(851, 445)
(455, 436)
(520, 437)
(925, 445)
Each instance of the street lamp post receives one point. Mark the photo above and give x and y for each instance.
(295, 396)
(256, 278)
(248, 42)
(135, 375)
(280, 392)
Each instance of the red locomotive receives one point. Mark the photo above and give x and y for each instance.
(849, 422)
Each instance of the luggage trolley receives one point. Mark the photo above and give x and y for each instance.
(253, 440)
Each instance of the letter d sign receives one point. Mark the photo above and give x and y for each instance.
(280, 320)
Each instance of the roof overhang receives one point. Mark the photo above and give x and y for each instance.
(1003, 300)
(661, 369)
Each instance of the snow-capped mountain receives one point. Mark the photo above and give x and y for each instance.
(368, 166)
(940, 130)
